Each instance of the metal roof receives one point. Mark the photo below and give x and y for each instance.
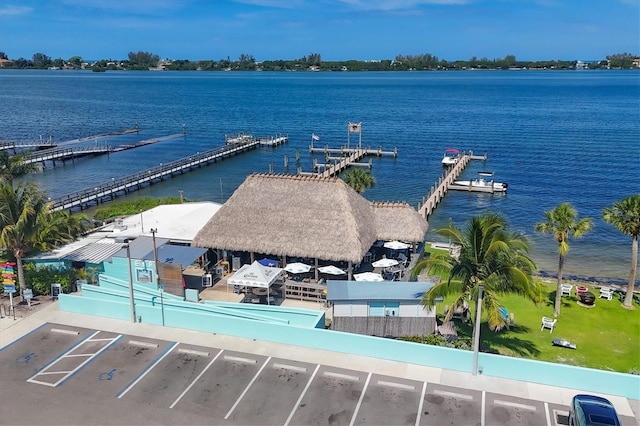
(94, 253)
(387, 290)
(142, 249)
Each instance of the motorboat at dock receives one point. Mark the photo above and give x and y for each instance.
(451, 157)
(480, 184)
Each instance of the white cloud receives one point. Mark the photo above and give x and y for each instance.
(15, 10)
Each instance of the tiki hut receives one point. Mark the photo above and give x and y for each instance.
(297, 216)
(398, 221)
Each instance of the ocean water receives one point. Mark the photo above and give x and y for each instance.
(554, 136)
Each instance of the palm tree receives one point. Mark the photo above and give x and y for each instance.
(563, 223)
(625, 215)
(26, 223)
(14, 167)
(359, 179)
(491, 258)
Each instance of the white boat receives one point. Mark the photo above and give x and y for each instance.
(451, 157)
(480, 184)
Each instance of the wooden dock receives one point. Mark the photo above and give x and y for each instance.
(108, 191)
(349, 157)
(440, 188)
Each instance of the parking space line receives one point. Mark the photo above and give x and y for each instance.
(483, 411)
(246, 389)
(396, 385)
(341, 376)
(546, 413)
(454, 394)
(421, 403)
(78, 355)
(364, 389)
(62, 331)
(68, 374)
(51, 373)
(24, 336)
(240, 359)
(289, 367)
(304, 391)
(196, 379)
(149, 368)
(100, 340)
(514, 405)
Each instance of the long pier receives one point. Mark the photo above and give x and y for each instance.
(110, 190)
(440, 188)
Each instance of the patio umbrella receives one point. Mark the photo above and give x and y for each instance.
(297, 268)
(331, 270)
(384, 263)
(368, 276)
(268, 262)
(396, 245)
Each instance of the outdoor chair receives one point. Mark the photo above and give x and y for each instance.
(549, 323)
(606, 293)
(566, 289)
(507, 317)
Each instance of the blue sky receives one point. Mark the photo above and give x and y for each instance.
(336, 29)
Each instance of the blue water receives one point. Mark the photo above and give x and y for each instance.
(554, 136)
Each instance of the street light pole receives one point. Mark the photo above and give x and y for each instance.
(131, 299)
(155, 254)
(476, 334)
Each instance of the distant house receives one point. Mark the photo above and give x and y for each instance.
(5, 63)
(636, 62)
(388, 309)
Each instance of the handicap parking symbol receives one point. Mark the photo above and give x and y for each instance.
(108, 375)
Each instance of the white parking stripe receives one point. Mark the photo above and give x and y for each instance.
(454, 394)
(483, 410)
(396, 385)
(247, 388)
(341, 376)
(77, 355)
(195, 380)
(67, 373)
(304, 391)
(147, 372)
(421, 404)
(514, 405)
(355, 413)
(546, 412)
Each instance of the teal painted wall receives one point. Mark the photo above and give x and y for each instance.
(301, 327)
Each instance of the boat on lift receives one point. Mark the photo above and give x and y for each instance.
(451, 157)
(480, 184)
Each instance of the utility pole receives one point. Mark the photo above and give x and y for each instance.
(131, 298)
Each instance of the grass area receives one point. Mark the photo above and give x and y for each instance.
(607, 336)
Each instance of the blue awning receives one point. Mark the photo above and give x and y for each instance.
(268, 262)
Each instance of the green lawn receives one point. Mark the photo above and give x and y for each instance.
(607, 336)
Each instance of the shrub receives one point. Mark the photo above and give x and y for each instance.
(40, 279)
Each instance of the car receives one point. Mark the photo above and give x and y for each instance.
(591, 410)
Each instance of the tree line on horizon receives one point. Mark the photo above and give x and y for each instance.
(246, 62)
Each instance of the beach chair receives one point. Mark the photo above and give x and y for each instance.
(606, 293)
(566, 289)
(549, 323)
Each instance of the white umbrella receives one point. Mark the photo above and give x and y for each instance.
(396, 245)
(384, 263)
(331, 270)
(297, 268)
(368, 276)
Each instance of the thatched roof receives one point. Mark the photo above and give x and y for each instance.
(298, 216)
(399, 221)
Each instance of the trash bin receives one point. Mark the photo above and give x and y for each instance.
(56, 289)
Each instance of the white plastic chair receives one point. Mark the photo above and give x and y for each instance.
(606, 293)
(549, 323)
(566, 289)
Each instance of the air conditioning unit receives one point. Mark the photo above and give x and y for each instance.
(118, 224)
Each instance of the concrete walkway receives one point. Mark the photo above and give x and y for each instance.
(10, 330)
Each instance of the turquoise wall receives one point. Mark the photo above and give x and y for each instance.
(302, 327)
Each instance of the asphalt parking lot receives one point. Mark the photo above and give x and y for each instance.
(61, 374)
